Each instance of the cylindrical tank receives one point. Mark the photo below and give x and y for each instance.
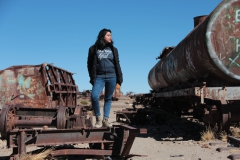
(212, 47)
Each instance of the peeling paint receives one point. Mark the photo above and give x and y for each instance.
(212, 48)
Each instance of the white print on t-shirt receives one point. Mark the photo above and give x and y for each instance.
(103, 53)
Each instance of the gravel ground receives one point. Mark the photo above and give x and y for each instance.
(175, 139)
(172, 139)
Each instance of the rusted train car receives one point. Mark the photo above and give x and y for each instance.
(202, 72)
(39, 108)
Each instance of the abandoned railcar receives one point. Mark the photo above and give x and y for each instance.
(201, 74)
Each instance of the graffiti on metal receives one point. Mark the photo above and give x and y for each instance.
(237, 20)
(29, 86)
(23, 86)
(228, 39)
(233, 61)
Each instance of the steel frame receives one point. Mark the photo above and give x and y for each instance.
(116, 137)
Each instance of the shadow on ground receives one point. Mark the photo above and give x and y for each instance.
(163, 126)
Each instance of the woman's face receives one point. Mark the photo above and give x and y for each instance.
(108, 37)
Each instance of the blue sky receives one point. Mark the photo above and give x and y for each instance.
(61, 31)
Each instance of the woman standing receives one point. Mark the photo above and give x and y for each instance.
(104, 71)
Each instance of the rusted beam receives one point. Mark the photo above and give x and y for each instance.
(34, 122)
(93, 152)
(214, 93)
(19, 139)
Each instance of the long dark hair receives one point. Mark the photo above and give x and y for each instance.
(100, 44)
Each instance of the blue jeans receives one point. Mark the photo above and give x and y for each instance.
(99, 84)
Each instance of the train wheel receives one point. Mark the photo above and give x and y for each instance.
(62, 117)
(3, 123)
(7, 120)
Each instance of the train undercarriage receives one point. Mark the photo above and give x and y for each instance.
(39, 108)
(211, 105)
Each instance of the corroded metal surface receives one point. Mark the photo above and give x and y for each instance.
(22, 84)
(20, 117)
(37, 86)
(214, 93)
(104, 141)
(211, 48)
(45, 96)
(198, 20)
(30, 96)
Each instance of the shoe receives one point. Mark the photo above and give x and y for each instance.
(98, 122)
(105, 123)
